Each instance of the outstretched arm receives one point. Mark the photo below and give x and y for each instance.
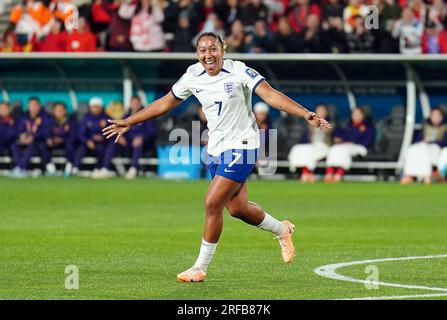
(283, 103)
(155, 109)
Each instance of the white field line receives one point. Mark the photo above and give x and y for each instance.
(329, 271)
(430, 295)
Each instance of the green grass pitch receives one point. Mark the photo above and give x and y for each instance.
(129, 239)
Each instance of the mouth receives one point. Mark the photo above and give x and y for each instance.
(210, 62)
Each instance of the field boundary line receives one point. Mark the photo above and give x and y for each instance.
(330, 271)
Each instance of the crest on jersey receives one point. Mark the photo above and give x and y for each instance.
(229, 87)
(252, 73)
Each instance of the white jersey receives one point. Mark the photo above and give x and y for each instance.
(226, 102)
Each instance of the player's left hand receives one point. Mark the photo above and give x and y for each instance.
(318, 122)
(117, 128)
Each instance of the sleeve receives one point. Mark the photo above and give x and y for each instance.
(250, 77)
(181, 89)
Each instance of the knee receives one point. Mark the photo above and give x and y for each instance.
(235, 210)
(213, 205)
(137, 142)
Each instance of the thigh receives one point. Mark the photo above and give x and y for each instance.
(239, 199)
(221, 190)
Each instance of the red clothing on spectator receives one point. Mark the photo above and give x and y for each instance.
(54, 42)
(442, 42)
(100, 14)
(78, 41)
(298, 15)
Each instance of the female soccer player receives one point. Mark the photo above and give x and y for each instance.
(224, 89)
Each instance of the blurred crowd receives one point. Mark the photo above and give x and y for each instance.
(248, 26)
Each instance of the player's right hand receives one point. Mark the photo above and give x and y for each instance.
(117, 128)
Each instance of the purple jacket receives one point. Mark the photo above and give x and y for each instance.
(363, 134)
(39, 127)
(147, 129)
(8, 131)
(92, 125)
(68, 130)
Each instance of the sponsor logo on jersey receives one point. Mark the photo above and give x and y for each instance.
(229, 87)
(252, 73)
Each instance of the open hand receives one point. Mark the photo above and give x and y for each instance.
(117, 128)
(318, 122)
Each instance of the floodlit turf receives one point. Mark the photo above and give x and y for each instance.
(129, 239)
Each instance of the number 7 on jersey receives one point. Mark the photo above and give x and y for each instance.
(220, 107)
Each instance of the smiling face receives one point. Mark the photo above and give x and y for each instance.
(210, 54)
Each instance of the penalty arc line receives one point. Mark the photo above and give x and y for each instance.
(329, 271)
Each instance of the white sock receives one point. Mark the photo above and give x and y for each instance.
(207, 250)
(271, 224)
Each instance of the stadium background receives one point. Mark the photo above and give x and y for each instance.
(116, 231)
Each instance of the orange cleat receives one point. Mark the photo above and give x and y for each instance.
(286, 243)
(193, 274)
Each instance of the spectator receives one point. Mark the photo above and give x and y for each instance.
(286, 39)
(212, 24)
(336, 35)
(115, 110)
(260, 40)
(313, 39)
(63, 135)
(55, 40)
(437, 13)
(100, 15)
(119, 28)
(11, 44)
(299, 11)
(32, 131)
(228, 11)
(82, 39)
(30, 18)
(236, 40)
(252, 11)
(353, 140)
(182, 35)
(173, 10)
(350, 12)
(132, 144)
(409, 32)
(7, 128)
(314, 147)
(334, 9)
(360, 40)
(390, 12)
(146, 33)
(434, 39)
(90, 135)
(419, 10)
(423, 155)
